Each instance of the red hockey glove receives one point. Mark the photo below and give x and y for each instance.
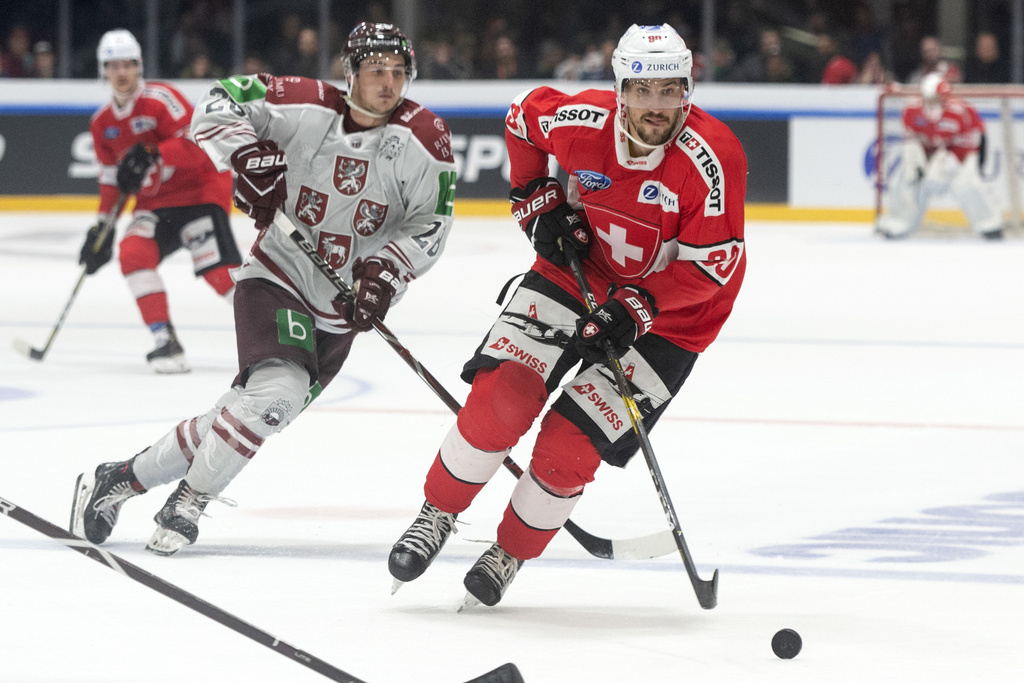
(95, 253)
(260, 188)
(546, 217)
(134, 167)
(628, 313)
(376, 282)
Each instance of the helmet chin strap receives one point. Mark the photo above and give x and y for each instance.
(366, 112)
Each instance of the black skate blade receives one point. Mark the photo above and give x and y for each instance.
(506, 673)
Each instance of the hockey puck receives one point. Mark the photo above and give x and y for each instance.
(786, 644)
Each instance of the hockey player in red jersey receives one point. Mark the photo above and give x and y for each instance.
(940, 155)
(368, 178)
(655, 203)
(144, 148)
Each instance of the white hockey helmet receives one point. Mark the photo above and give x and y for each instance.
(652, 52)
(934, 91)
(118, 44)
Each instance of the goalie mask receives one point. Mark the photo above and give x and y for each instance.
(652, 68)
(117, 45)
(367, 50)
(934, 91)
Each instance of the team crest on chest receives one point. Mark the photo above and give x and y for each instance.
(628, 244)
(334, 248)
(369, 217)
(349, 175)
(311, 206)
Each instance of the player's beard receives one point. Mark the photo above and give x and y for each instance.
(654, 127)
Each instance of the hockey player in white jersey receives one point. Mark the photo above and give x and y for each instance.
(368, 177)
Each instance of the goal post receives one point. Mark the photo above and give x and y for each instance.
(1001, 108)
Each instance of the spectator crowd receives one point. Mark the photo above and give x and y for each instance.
(756, 41)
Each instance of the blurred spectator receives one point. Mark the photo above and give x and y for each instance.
(200, 67)
(597, 62)
(836, 68)
(768, 64)
(865, 37)
(986, 65)
(307, 62)
(442, 62)
(283, 57)
(723, 61)
(16, 61)
(872, 72)
(932, 62)
(254, 64)
(550, 55)
(44, 62)
(506, 60)
(569, 69)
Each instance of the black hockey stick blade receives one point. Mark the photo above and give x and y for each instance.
(25, 349)
(640, 548)
(121, 566)
(506, 673)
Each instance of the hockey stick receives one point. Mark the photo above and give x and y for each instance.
(109, 222)
(644, 547)
(507, 673)
(707, 591)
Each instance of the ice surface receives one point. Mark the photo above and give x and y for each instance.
(849, 454)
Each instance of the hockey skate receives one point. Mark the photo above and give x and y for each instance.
(178, 520)
(490, 577)
(420, 544)
(98, 499)
(169, 356)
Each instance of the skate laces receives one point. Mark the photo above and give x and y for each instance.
(498, 565)
(191, 505)
(429, 531)
(108, 505)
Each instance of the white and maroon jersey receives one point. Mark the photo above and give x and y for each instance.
(959, 129)
(386, 191)
(671, 222)
(158, 115)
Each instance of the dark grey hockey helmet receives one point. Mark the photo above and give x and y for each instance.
(369, 39)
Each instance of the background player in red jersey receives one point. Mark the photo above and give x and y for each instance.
(940, 154)
(655, 202)
(144, 148)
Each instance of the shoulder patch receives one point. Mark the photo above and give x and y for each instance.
(706, 161)
(574, 115)
(427, 127)
(244, 88)
(168, 98)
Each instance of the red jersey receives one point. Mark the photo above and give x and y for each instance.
(157, 114)
(671, 222)
(959, 129)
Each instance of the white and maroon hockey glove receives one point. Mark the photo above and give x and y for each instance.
(260, 188)
(376, 282)
(628, 313)
(546, 217)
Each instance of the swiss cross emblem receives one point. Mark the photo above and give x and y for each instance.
(589, 330)
(533, 310)
(692, 143)
(311, 206)
(369, 217)
(349, 175)
(584, 389)
(334, 248)
(628, 245)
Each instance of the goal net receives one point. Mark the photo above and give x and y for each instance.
(1002, 164)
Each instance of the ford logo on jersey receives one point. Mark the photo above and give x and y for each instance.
(111, 132)
(592, 180)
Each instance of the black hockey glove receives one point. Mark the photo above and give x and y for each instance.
(376, 282)
(260, 188)
(546, 217)
(96, 254)
(628, 313)
(135, 165)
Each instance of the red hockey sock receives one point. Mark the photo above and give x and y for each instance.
(444, 491)
(154, 308)
(521, 540)
(220, 279)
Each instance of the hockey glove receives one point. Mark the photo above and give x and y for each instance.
(96, 254)
(546, 217)
(628, 313)
(376, 282)
(134, 167)
(260, 188)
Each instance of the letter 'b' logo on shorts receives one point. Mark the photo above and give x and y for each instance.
(294, 329)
